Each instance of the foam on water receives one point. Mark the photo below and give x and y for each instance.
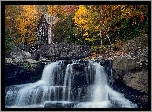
(50, 89)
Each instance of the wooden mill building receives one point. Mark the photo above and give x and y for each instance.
(45, 28)
(46, 22)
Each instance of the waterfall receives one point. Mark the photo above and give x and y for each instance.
(75, 85)
(67, 81)
(99, 86)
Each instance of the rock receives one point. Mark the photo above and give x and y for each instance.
(26, 55)
(16, 56)
(31, 61)
(132, 71)
(66, 62)
(8, 60)
(58, 104)
(63, 51)
(37, 57)
(125, 64)
(137, 80)
(23, 73)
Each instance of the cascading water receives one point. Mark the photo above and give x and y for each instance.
(75, 85)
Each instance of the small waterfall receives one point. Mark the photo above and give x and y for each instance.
(75, 85)
(99, 86)
(49, 72)
(67, 81)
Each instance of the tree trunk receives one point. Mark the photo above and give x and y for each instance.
(101, 38)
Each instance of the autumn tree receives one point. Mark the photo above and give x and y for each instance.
(26, 24)
(121, 21)
(57, 11)
(21, 21)
(78, 23)
(85, 21)
(11, 11)
(64, 30)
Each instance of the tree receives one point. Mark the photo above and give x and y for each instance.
(123, 21)
(11, 11)
(57, 11)
(85, 21)
(9, 44)
(26, 24)
(64, 30)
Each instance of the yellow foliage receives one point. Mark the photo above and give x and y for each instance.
(86, 34)
(87, 39)
(85, 20)
(26, 22)
(126, 12)
(55, 10)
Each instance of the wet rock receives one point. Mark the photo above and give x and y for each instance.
(58, 104)
(78, 67)
(23, 73)
(37, 57)
(66, 62)
(134, 95)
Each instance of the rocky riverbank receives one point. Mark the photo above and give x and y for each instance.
(130, 63)
(127, 71)
(130, 69)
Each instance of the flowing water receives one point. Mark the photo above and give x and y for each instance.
(74, 85)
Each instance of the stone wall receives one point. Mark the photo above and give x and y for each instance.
(62, 51)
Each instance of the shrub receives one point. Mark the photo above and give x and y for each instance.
(27, 65)
(9, 44)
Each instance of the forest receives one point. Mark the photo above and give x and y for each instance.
(97, 26)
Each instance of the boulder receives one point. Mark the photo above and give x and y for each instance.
(137, 80)
(23, 73)
(26, 55)
(16, 56)
(8, 60)
(125, 63)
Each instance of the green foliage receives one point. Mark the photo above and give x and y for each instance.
(9, 44)
(99, 48)
(27, 65)
(64, 30)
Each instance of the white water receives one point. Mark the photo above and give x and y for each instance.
(101, 91)
(67, 81)
(100, 84)
(99, 94)
(48, 73)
